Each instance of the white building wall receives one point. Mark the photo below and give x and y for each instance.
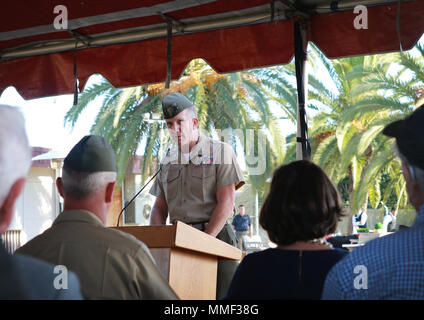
(37, 206)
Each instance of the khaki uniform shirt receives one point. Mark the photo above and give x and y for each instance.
(189, 186)
(109, 263)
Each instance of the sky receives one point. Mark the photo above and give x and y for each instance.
(45, 119)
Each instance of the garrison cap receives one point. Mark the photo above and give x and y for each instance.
(409, 134)
(91, 154)
(173, 104)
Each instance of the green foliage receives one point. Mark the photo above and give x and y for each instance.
(378, 226)
(223, 102)
(363, 94)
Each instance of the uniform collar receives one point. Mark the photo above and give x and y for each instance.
(78, 216)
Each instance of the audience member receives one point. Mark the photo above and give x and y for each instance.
(22, 277)
(390, 267)
(110, 264)
(359, 220)
(302, 207)
(389, 221)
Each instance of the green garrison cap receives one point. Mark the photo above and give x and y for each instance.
(173, 104)
(91, 154)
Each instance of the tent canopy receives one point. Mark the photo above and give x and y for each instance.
(126, 41)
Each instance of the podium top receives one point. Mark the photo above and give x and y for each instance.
(181, 235)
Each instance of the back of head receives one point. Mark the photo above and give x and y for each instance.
(81, 185)
(89, 167)
(409, 135)
(15, 153)
(302, 204)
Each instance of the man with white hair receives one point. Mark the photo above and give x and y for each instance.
(110, 264)
(390, 267)
(22, 277)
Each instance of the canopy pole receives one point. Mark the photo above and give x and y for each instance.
(168, 54)
(75, 75)
(303, 148)
(79, 37)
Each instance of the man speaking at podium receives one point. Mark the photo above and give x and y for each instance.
(197, 182)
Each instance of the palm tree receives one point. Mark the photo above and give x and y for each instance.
(347, 132)
(370, 94)
(226, 104)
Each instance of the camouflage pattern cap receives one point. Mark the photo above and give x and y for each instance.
(91, 154)
(173, 104)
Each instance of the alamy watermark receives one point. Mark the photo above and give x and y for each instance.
(60, 282)
(252, 142)
(60, 22)
(360, 282)
(361, 20)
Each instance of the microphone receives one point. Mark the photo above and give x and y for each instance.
(157, 172)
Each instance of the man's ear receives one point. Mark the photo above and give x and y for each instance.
(59, 186)
(8, 205)
(195, 122)
(109, 192)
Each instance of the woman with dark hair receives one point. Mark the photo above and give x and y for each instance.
(302, 207)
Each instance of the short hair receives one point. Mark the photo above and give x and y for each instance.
(83, 184)
(418, 173)
(241, 205)
(302, 204)
(193, 111)
(15, 153)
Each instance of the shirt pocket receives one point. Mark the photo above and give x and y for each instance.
(202, 180)
(171, 180)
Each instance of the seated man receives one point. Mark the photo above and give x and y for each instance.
(110, 264)
(390, 267)
(22, 277)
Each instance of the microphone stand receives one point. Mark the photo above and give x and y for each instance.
(119, 217)
(160, 168)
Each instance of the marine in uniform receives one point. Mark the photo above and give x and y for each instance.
(197, 181)
(109, 263)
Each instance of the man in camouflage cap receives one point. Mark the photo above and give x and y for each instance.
(197, 182)
(110, 264)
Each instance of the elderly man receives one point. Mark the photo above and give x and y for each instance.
(390, 267)
(110, 264)
(22, 277)
(197, 182)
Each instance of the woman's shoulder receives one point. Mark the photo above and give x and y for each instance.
(274, 252)
(270, 253)
(331, 255)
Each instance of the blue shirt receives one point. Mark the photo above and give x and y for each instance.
(390, 267)
(241, 223)
(282, 274)
(23, 278)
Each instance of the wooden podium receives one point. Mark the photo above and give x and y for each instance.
(187, 257)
